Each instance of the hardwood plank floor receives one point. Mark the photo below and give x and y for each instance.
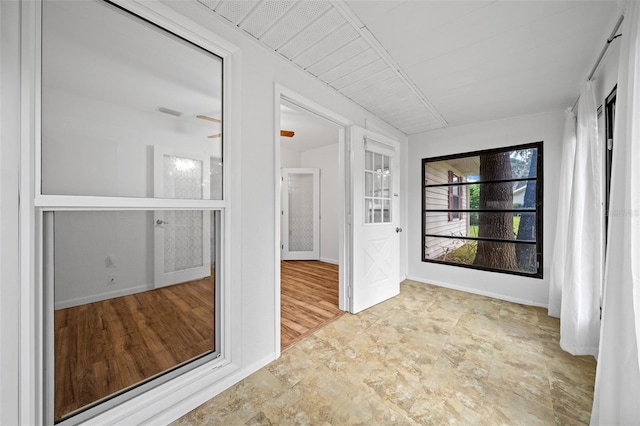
(309, 298)
(104, 347)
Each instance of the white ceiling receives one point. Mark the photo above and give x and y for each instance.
(421, 65)
(311, 131)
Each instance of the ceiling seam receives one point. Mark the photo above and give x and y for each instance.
(257, 37)
(296, 34)
(353, 58)
(330, 53)
(322, 15)
(244, 18)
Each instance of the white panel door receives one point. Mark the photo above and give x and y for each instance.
(375, 214)
(300, 214)
(181, 237)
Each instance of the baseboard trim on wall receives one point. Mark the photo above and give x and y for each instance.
(332, 261)
(101, 296)
(478, 292)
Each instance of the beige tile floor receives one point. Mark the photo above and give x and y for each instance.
(428, 356)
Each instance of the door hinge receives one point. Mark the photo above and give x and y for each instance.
(610, 144)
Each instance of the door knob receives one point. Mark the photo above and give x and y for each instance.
(398, 229)
(161, 222)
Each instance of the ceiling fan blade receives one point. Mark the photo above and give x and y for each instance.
(206, 117)
(217, 135)
(287, 133)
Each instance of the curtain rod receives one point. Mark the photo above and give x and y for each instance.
(612, 37)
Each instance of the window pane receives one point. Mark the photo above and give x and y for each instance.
(119, 114)
(494, 196)
(514, 257)
(377, 184)
(368, 160)
(368, 210)
(507, 226)
(134, 297)
(368, 184)
(518, 162)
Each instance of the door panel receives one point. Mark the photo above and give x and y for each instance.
(375, 212)
(181, 238)
(300, 214)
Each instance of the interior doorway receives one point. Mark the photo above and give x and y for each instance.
(311, 292)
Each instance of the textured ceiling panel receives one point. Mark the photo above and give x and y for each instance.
(234, 11)
(341, 37)
(326, 39)
(387, 84)
(265, 15)
(325, 25)
(370, 83)
(347, 67)
(339, 56)
(294, 21)
(370, 71)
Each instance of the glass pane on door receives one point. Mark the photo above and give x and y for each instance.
(377, 192)
(300, 193)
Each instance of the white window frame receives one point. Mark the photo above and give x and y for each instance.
(169, 400)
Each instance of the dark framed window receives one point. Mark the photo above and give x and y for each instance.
(610, 119)
(483, 209)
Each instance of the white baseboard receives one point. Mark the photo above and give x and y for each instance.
(332, 261)
(479, 292)
(101, 296)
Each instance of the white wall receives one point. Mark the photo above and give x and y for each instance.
(326, 159)
(289, 158)
(90, 246)
(545, 127)
(9, 224)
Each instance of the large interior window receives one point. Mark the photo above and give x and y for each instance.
(132, 206)
(483, 209)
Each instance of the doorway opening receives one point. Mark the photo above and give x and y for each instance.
(311, 266)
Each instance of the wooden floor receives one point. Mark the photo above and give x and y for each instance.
(104, 347)
(309, 298)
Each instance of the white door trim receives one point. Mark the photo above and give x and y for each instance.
(282, 93)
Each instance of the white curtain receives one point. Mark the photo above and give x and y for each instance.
(617, 388)
(562, 223)
(577, 268)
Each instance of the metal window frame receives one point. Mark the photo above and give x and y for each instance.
(538, 210)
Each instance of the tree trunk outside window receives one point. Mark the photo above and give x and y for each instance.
(498, 196)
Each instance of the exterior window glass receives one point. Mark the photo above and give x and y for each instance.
(483, 210)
